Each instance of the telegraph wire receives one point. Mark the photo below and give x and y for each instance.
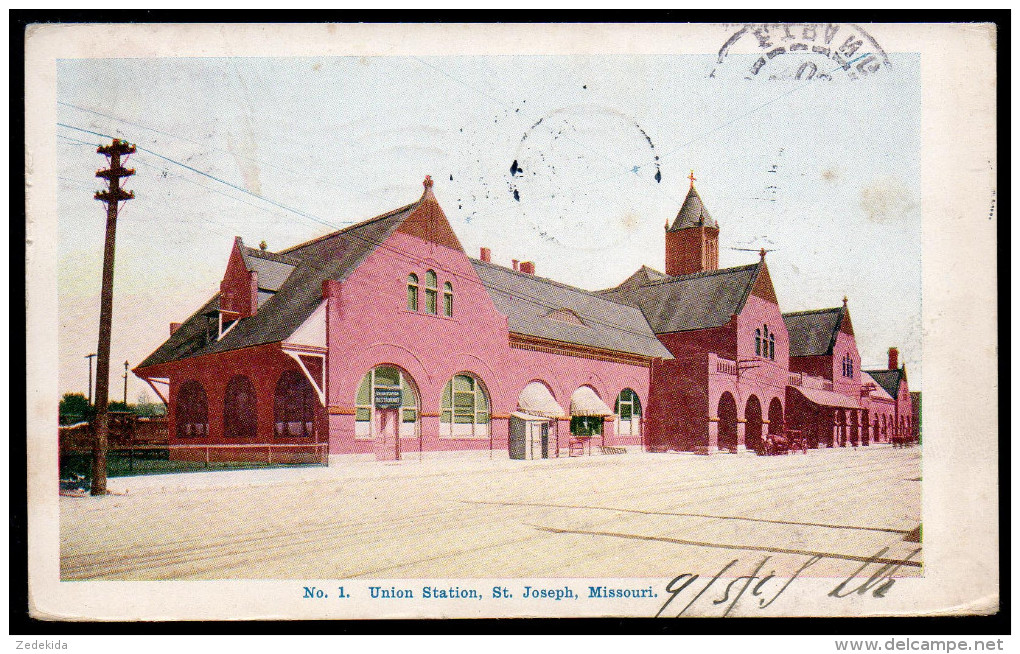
(408, 256)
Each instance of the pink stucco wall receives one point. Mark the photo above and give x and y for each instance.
(369, 325)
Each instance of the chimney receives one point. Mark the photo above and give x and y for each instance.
(517, 264)
(528, 267)
(894, 358)
(174, 326)
(486, 255)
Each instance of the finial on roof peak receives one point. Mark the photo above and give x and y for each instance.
(263, 245)
(692, 178)
(762, 252)
(844, 300)
(428, 181)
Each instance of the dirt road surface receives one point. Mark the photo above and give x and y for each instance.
(469, 516)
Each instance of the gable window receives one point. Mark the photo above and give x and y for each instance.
(448, 300)
(765, 343)
(412, 292)
(848, 365)
(431, 292)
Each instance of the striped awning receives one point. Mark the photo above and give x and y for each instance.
(827, 398)
(584, 402)
(536, 400)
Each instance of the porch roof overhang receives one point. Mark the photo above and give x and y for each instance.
(584, 402)
(536, 400)
(827, 398)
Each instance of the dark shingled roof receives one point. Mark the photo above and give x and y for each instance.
(334, 256)
(888, 379)
(813, 333)
(528, 300)
(688, 302)
(693, 213)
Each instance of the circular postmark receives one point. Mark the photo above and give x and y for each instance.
(574, 165)
(801, 52)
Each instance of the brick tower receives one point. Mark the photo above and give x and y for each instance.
(692, 242)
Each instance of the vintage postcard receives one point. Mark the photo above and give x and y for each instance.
(512, 320)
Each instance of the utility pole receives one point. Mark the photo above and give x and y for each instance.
(113, 196)
(90, 357)
(125, 384)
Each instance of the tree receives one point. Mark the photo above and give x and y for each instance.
(74, 407)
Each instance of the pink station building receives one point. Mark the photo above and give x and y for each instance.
(385, 338)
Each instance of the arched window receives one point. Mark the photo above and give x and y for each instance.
(448, 299)
(465, 409)
(757, 342)
(772, 346)
(294, 406)
(385, 377)
(239, 415)
(192, 411)
(431, 292)
(412, 292)
(628, 412)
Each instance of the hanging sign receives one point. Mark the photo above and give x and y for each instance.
(388, 398)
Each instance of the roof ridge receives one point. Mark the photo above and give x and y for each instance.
(319, 239)
(811, 311)
(547, 280)
(270, 256)
(699, 275)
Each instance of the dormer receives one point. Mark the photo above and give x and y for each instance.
(239, 288)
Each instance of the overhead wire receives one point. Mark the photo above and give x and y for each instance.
(408, 256)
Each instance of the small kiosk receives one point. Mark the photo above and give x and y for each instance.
(533, 431)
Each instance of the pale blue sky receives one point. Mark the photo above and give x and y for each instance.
(826, 173)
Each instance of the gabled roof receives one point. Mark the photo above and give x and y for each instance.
(299, 293)
(813, 333)
(888, 380)
(532, 304)
(879, 391)
(689, 302)
(693, 213)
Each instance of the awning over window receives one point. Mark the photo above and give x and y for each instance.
(584, 402)
(536, 400)
(827, 398)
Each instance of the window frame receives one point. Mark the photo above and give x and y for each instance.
(480, 414)
(431, 292)
(412, 292)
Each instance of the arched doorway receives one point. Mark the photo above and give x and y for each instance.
(240, 419)
(294, 406)
(727, 422)
(753, 425)
(628, 413)
(855, 432)
(776, 423)
(865, 428)
(192, 411)
(386, 409)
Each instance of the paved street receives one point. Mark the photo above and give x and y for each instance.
(465, 515)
